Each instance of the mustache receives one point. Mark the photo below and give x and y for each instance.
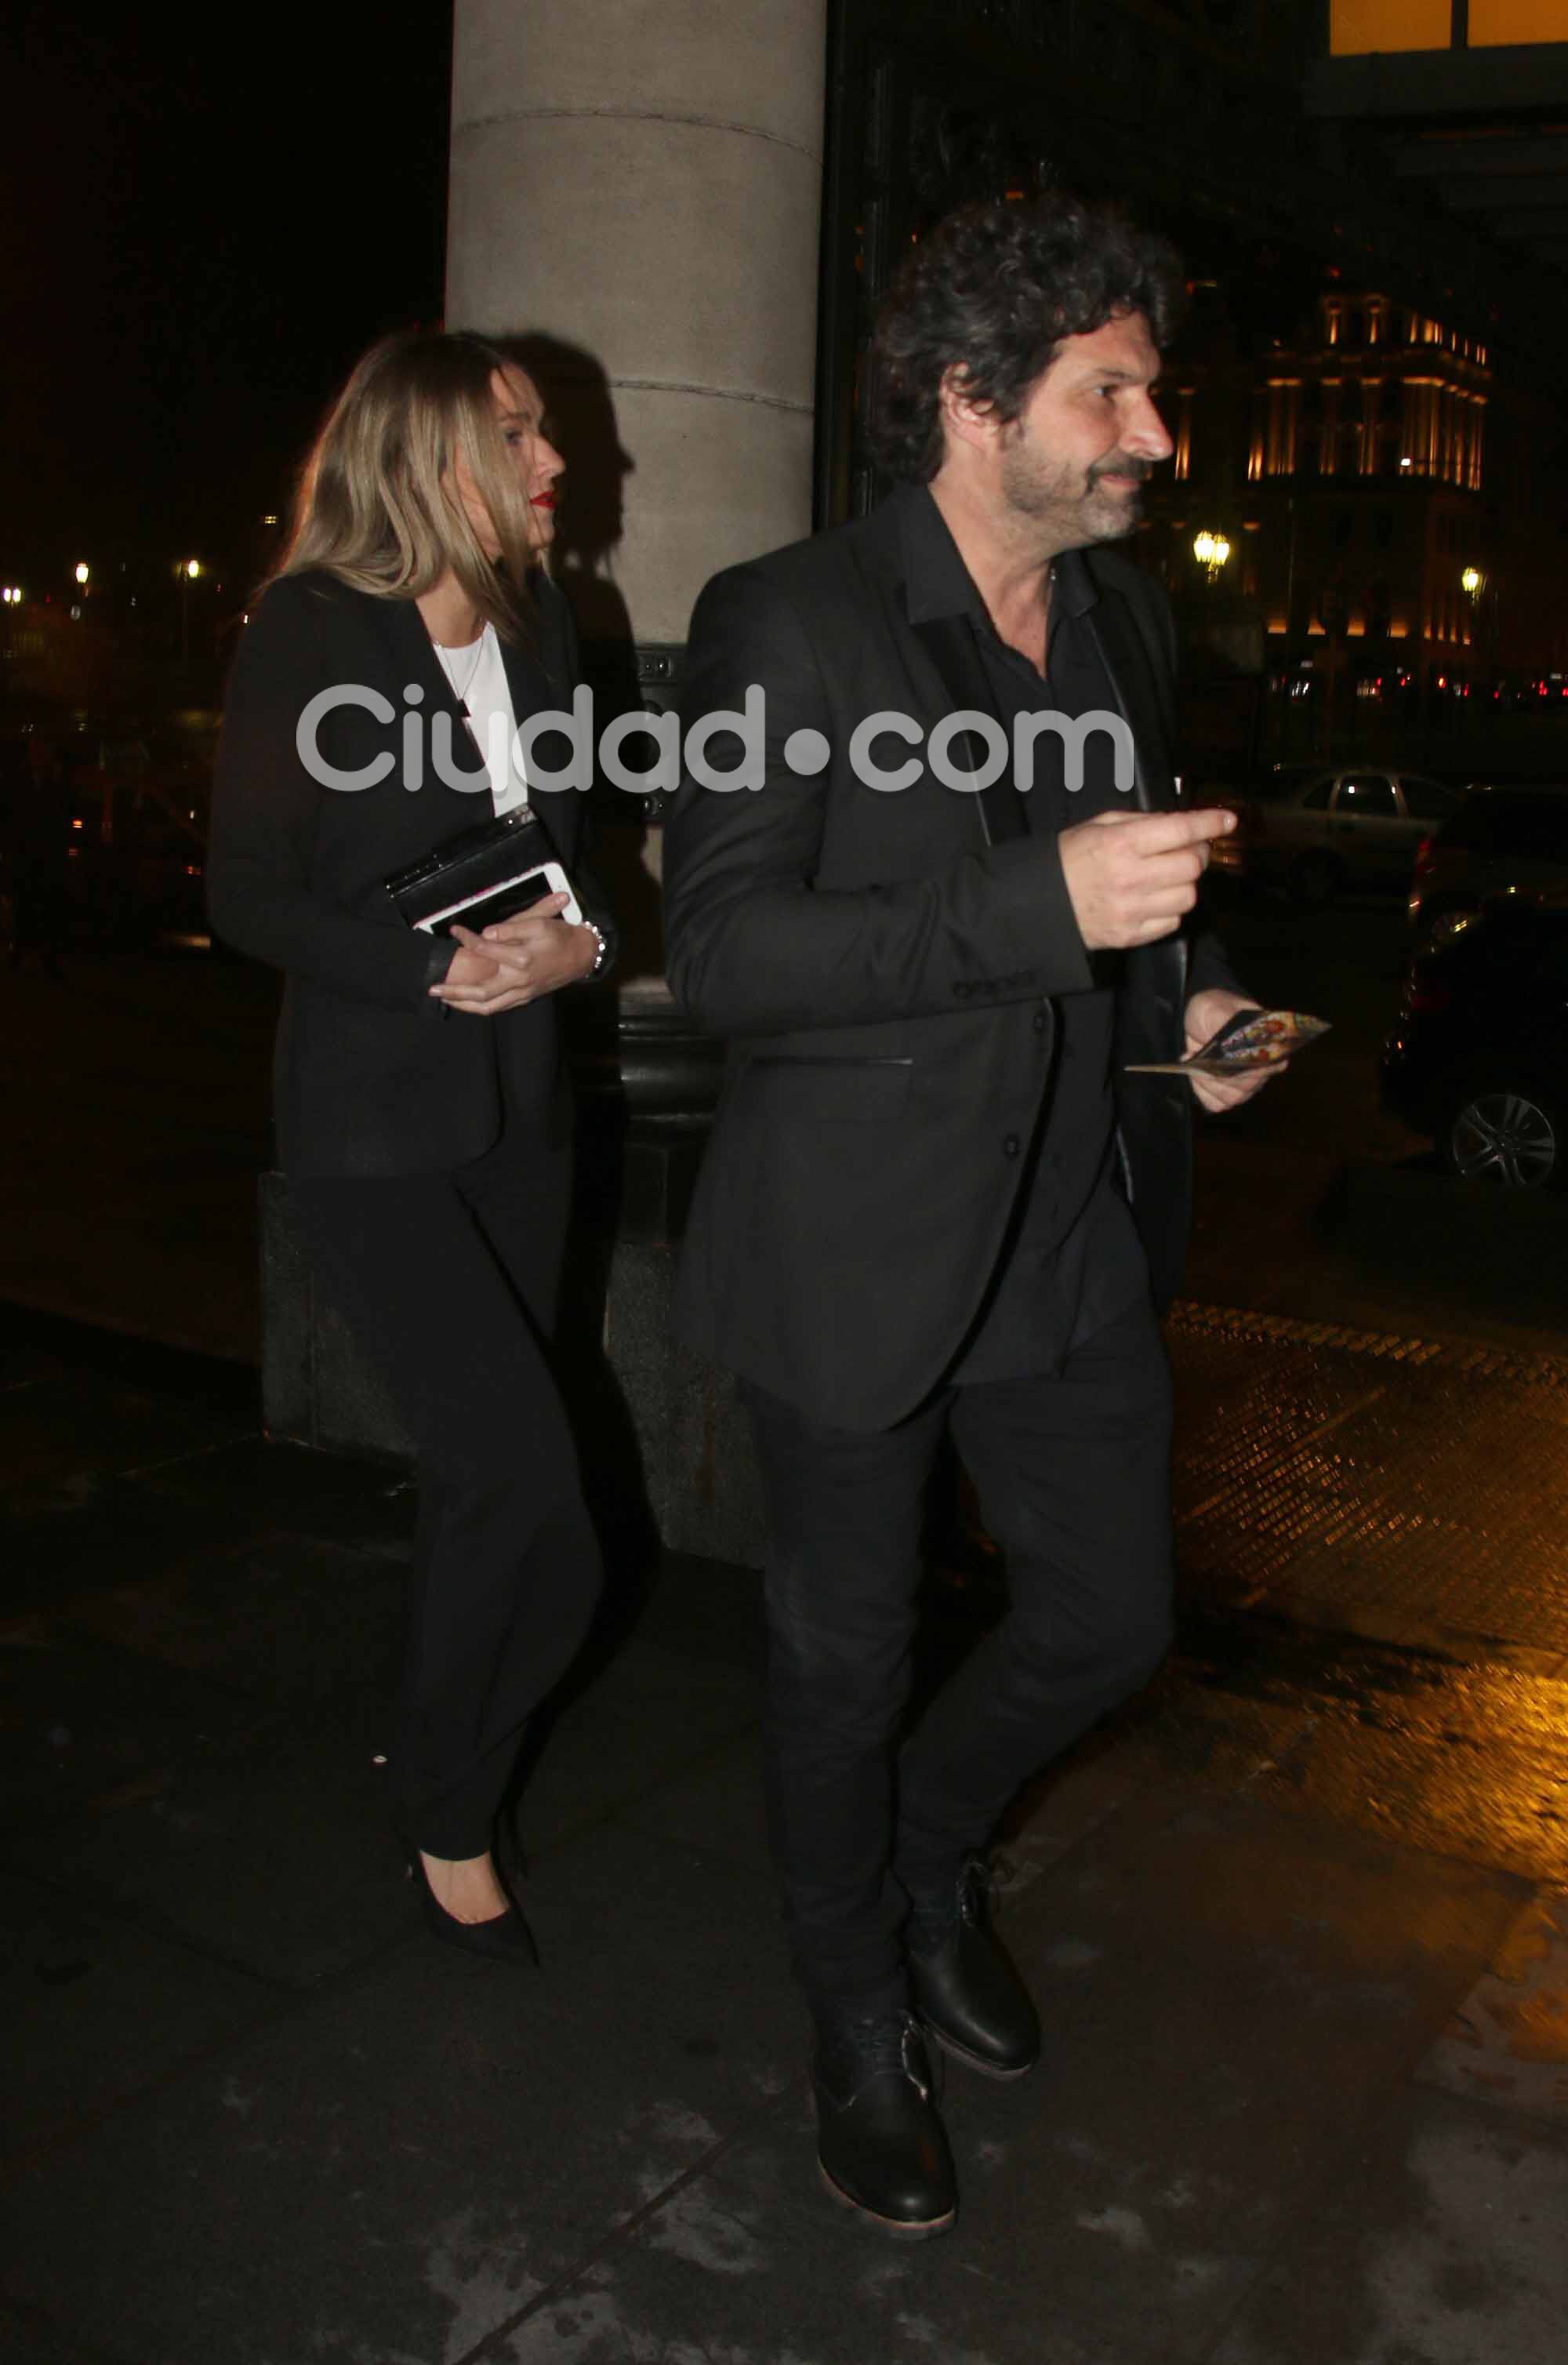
(1121, 464)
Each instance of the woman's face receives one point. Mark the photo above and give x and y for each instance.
(521, 414)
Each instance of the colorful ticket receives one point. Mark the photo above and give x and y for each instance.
(1253, 1038)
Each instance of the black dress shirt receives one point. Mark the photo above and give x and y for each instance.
(1071, 1260)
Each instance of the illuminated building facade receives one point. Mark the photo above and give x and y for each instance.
(1350, 467)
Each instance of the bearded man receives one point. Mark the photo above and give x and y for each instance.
(959, 906)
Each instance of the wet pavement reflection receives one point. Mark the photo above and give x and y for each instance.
(1372, 1545)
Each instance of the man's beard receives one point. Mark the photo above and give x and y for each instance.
(1072, 506)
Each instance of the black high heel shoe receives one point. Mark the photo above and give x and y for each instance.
(504, 1938)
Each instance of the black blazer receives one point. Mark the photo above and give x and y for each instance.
(371, 1076)
(883, 968)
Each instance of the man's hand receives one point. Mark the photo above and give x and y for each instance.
(1132, 876)
(1205, 1014)
(516, 961)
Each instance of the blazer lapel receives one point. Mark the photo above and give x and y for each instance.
(530, 679)
(942, 661)
(1137, 693)
(949, 642)
(532, 682)
(404, 627)
(527, 679)
(878, 559)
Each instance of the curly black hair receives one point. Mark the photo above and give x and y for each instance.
(994, 288)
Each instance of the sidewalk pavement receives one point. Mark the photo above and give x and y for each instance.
(1295, 1920)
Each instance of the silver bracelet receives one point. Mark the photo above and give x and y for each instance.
(598, 936)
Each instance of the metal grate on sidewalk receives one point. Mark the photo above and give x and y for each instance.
(1382, 1483)
(1187, 1318)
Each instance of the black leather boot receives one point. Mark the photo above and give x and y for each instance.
(880, 2145)
(963, 1986)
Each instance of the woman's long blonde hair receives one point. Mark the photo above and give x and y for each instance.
(377, 503)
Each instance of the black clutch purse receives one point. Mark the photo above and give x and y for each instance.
(481, 875)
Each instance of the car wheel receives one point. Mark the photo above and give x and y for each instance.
(1511, 1134)
(1315, 882)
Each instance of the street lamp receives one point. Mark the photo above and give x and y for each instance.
(1211, 551)
(187, 572)
(1470, 582)
(82, 571)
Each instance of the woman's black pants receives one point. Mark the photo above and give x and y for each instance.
(450, 1282)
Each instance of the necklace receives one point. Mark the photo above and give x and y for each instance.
(460, 689)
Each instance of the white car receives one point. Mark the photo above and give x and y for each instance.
(1319, 831)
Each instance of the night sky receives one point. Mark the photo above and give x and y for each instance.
(207, 215)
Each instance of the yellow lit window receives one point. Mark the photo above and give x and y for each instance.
(1496, 23)
(1358, 26)
(1184, 433)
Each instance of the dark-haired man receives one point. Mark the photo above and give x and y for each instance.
(935, 1197)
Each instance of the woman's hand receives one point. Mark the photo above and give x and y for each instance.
(516, 961)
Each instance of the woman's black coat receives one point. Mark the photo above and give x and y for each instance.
(372, 1076)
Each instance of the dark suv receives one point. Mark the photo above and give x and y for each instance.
(1478, 1059)
(1502, 841)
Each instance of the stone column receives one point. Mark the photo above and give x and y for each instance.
(642, 185)
(645, 182)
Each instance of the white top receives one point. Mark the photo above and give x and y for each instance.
(478, 677)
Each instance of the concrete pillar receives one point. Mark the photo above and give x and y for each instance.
(640, 186)
(643, 181)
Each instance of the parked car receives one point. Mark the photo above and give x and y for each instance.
(1502, 841)
(1478, 1059)
(1318, 830)
(139, 832)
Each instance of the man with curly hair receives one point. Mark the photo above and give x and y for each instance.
(934, 1198)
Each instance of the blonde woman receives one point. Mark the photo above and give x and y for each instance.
(422, 1111)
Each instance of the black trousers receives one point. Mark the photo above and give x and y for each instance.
(1073, 1475)
(450, 1282)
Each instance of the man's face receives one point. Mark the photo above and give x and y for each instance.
(1074, 462)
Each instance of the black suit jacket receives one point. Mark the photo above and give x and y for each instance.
(371, 1076)
(885, 972)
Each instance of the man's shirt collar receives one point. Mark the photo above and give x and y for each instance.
(937, 581)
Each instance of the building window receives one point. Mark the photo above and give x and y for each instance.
(1356, 27)
(1284, 414)
(1372, 390)
(1496, 24)
(1423, 427)
(1477, 426)
(1184, 431)
(1329, 432)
